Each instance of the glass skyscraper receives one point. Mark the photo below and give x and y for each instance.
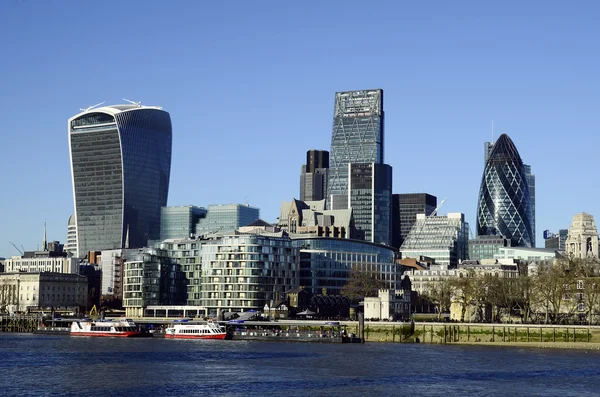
(180, 221)
(405, 208)
(504, 206)
(357, 137)
(370, 197)
(120, 167)
(226, 218)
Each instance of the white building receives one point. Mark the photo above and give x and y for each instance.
(526, 254)
(582, 240)
(388, 305)
(71, 245)
(22, 291)
(42, 264)
(242, 272)
(111, 265)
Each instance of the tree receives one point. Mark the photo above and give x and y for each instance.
(552, 285)
(362, 283)
(524, 295)
(439, 294)
(463, 291)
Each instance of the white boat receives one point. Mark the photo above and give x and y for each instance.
(186, 329)
(123, 328)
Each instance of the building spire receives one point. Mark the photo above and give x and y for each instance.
(127, 237)
(44, 242)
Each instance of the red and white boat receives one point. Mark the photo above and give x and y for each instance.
(186, 329)
(121, 328)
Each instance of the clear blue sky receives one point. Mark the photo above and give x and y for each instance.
(250, 87)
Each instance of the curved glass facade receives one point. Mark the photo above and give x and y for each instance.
(120, 164)
(504, 207)
(327, 262)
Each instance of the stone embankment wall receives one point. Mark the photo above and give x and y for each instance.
(478, 333)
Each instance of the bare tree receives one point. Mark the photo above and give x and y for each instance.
(463, 292)
(440, 295)
(362, 283)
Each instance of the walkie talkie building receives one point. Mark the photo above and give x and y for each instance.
(120, 167)
(504, 207)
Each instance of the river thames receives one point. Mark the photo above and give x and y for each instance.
(43, 365)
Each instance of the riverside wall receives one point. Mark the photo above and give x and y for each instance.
(475, 333)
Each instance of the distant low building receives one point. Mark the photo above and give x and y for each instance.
(311, 217)
(22, 292)
(526, 254)
(389, 304)
(36, 264)
(485, 247)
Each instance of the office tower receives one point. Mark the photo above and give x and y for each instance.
(71, 245)
(486, 247)
(405, 208)
(357, 137)
(488, 146)
(120, 165)
(582, 239)
(313, 177)
(531, 184)
(226, 218)
(504, 206)
(555, 241)
(444, 238)
(370, 197)
(180, 221)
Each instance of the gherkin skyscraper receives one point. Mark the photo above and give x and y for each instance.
(504, 207)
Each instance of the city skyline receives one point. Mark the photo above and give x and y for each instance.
(538, 84)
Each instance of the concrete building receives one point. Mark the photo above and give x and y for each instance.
(226, 218)
(311, 217)
(120, 166)
(39, 264)
(405, 208)
(152, 279)
(313, 176)
(71, 245)
(389, 304)
(111, 264)
(486, 247)
(556, 241)
(526, 254)
(582, 239)
(370, 198)
(21, 292)
(180, 222)
(243, 272)
(357, 137)
(444, 238)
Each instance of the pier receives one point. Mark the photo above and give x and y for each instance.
(20, 323)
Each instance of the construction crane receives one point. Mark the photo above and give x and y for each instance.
(22, 252)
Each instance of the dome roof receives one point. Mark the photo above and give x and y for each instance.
(505, 149)
(72, 220)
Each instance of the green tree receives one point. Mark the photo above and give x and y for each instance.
(439, 294)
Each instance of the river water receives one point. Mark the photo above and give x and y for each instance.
(43, 365)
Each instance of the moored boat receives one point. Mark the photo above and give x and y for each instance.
(186, 329)
(120, 328)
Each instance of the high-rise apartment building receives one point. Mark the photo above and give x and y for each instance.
(488, 146)
(226, 218)
(370, 197)
(504, 206)
(120, 166)
(357, 137)
(405, 208)
(179, 221)
(314, 174)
